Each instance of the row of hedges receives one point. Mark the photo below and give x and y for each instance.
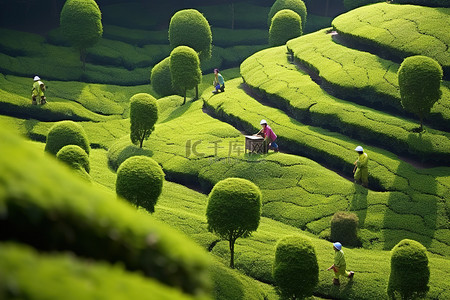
(270, 74)
(33, 276)
(360, 76)
(43, 211)
(400, 30)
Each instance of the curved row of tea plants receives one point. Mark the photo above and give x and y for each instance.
(360, 76)
(271, 75)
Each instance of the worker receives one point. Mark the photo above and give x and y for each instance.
(219, 83)
(269, 136)
(38, 91)
(361, 170)
(339, 266)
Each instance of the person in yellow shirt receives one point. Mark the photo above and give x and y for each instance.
(38, 91)
(339, 266)
(361, 170)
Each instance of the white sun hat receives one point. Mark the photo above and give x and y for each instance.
(359, 149)
(36, 78)
(263, 122)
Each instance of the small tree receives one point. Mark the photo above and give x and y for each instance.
(286, 25)
(419, 79)
(161, 79)
(409, 271)
(295, 269)
(140, 180)
(190, 28)
(344, 228)
(297, 6)
(185, 69)
(66, 133)
(81, 23)
(233, 210)
(143, 116)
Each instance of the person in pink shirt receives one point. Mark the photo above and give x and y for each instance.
(269, 136)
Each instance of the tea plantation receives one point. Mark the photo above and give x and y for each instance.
(66, 234)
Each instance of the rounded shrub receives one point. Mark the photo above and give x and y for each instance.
(75, 157)
(297, 6)
(140, 180)
(143, 116)
(184, 69)
(295, 269)
(419, 79)
(234, 210)
(286, 25)
(344, 228)
(409, 270)
(81, 23)
(66, 133)
(190, 28)
(161, 79)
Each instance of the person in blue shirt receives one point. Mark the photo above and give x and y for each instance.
(218, 83)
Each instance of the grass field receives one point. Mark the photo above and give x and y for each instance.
(340, 91)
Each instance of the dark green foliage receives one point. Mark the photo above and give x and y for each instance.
(81, 23)
(409, 271)
(419, 79)
(75, 157)
(140, 180)
(295, 269)
(161, 79)
(432, 3)
(63, 276)
(297, 6)
(352, 4)
(234, 210)
(184, 69)
(190, 28)
(66, 133)
(50, 209)
(344, 228)
(143, 116)
(286, 25)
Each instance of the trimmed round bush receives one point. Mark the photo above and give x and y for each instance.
(419, 79)
(140, 180)
(234, 210)
(161, 79)
(190, 28)
(297, 6)
(409, 270)
(185, 69)
(66, 133)
(295, 269)
(75, 157)
(143, 116)
(344, 228)
(286, 25)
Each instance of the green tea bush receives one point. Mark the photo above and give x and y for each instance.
(419, 78)
(286, 25)
(143, 116)
(224, 37)
(190, 28)
(66, 133)
(161, 79)
(140, 180)
(295, 269)
(46, 213)
(344, 228)
(75, 157)
(115, 75)
(28, 45)
(234, 210)
(432, 3)
(137, 37)
(185, 69)
(409, 270)
(352, 4)
(132, 15)
(34, 276)
(297, 6)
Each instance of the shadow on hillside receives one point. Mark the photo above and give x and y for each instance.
(179, 111)
(411, 214)
(358, 204)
